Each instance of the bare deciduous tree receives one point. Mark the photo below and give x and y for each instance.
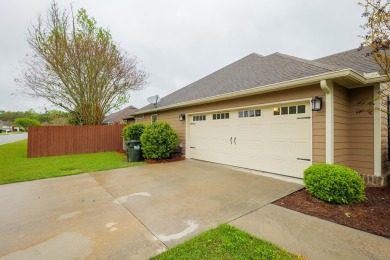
(376, 43)
(377, 27)
(76, 66)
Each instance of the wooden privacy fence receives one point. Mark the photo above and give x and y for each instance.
(62, 140)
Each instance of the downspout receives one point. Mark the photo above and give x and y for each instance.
(327, 87)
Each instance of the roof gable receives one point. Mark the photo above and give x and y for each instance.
(119, 115)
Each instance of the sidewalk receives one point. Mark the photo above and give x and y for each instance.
(312, 237)
(9, 138)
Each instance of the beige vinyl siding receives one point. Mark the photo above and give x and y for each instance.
(361, 137)
(318, 133)
(353, 132)
(172, 116)
(341, 125)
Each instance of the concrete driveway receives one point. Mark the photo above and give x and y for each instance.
(132, 213)
(9, 138)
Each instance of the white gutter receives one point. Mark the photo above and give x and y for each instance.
(379, 79)
(345, 73)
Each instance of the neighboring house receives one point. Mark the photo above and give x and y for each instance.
(7, 126)
(256, 113)
(2, 126)
(118, 117)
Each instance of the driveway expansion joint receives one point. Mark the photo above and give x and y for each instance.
(136, 217)
(249, 212)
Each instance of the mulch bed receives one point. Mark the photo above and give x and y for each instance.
(371, 215)
(150, 161)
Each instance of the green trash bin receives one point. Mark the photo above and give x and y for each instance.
(133, 150)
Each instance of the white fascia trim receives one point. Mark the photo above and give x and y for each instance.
(327, 87)
(351, 74)
(377, 132)
(379, 79)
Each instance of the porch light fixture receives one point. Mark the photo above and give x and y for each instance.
(182, 117)
(316, 103)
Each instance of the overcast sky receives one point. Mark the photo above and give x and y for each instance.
(181, 41)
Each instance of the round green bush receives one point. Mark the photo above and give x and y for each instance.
(158, 141)
(133, 131)
(334, 183)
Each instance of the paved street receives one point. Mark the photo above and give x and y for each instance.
(9, 138)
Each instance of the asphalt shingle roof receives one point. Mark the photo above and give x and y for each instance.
(255, 70)
(249, 72)
(352, 59)
(119, 115)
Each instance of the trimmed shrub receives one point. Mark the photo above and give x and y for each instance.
(334, 183)
(158, 141)
(133, 131)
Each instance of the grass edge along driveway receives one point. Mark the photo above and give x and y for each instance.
(226, 242)
(16, 167)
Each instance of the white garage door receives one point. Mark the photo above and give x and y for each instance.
(274, 139)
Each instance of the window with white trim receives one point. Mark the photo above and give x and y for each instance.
(154, 118)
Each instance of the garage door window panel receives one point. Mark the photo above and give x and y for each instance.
(276, 111)
(290, 110)
(301, 109)
(220, 116)
(249, 113)
(284, 111)
(199, 118)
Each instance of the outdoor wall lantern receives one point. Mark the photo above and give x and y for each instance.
(182, 117)
(316, 103)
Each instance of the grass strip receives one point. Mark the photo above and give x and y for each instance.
(16, 167)
(226, 242)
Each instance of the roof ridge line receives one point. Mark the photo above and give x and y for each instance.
(334, 54)
(315, 63)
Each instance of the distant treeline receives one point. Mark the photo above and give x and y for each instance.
(49, 117)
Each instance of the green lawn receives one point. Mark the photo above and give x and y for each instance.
(226, 242)
(16, 167)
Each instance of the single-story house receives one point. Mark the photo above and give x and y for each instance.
(118, 117)
(257, 113)
(6, 126)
